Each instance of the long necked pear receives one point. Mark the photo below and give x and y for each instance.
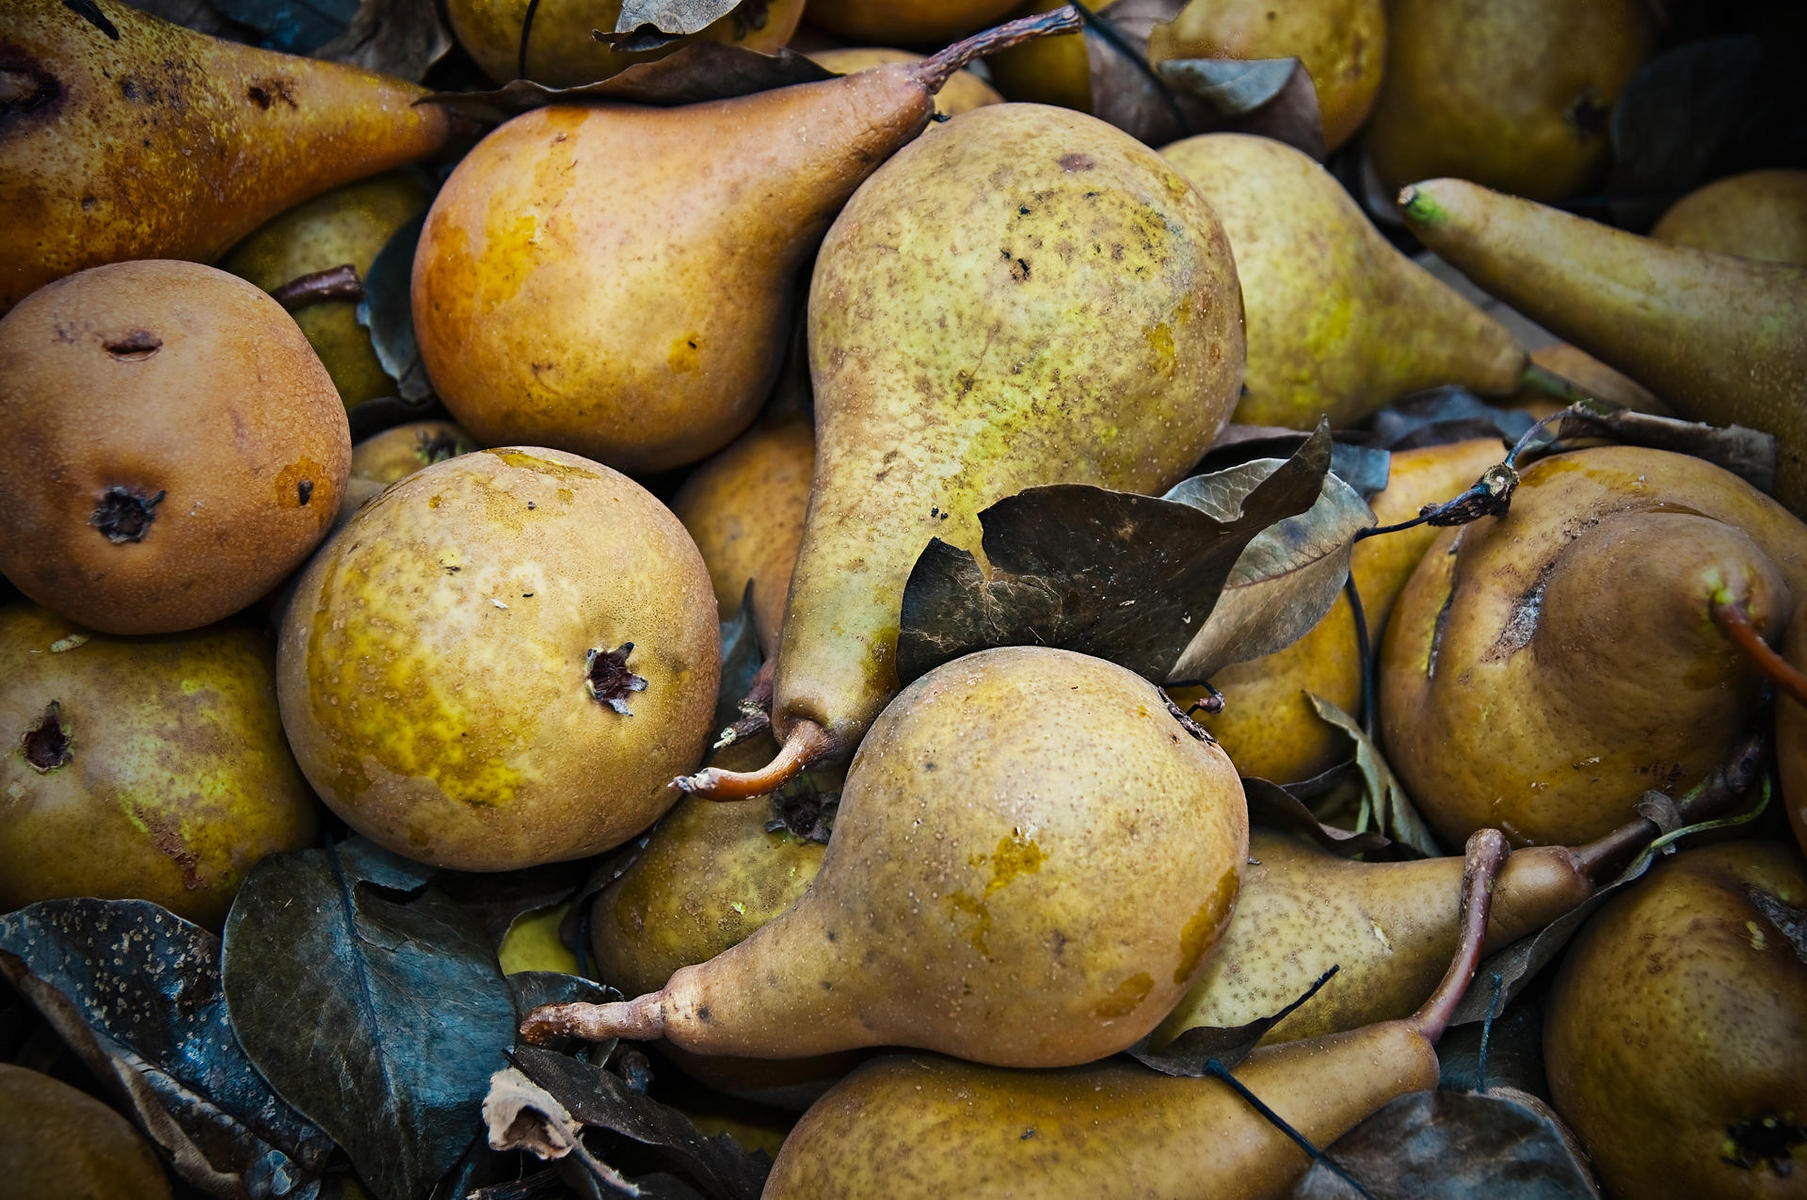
(1544, 669)
(925, 1127)
(1717, 337)
(1339, 322)
(123, 136)
(616, 280)
(1023, 296)
(1032, 859)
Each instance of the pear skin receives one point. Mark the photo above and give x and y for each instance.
(1718, 338)
(1791, 734)
(1342, 45)
(1022, 296)
(905, 22)
(1758, 214)
(925, 1127)
(1268, 725)
(1339, 322)
(745, 509)
(962, 93)
(1051, 70)
(98, 1152)
(222, 138)
(1515, 94)
(1031, 861)
(1675, 1033)
(1544, 669)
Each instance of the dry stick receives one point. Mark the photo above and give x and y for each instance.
(938, 68)
(1731, 617)
(334, 283)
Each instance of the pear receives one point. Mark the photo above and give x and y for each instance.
(745, 509)
(1515, 94)
(500, 661)
(1675, 1034)
(396, 453)
(1791, 734)
(1021, 296)
(925, 1127)
(962, 93)
(56, 1141)
(1591, 376)
(558, 48)
(222, 138)
(1339, 322)
(1544, 669)
(1759, 214)
(615, 280)
(174, 447)
(1268, 725)
(1342, 45)
(168, 790)
(905, 22)
(1051, 70)
(1716, 337)
(347, 226)
(1031, 861)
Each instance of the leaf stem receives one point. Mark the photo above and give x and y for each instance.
(938, 68)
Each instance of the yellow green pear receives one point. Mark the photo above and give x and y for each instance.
(1758, 214)
(1340, 323)
(221, 138)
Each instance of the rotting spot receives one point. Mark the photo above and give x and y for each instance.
(266, 92)
(304, 490)
(1768, 1139)
(125, 514)
(608, 679)
(46, 744)
(135, 346)
(1521, 622)
(1123, 1001)
(25, 87)
(1076, 162)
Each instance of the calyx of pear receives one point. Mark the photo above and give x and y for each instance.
(1076, 320)
(1031, 861)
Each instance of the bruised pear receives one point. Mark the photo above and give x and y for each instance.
(1032, 859)
(501, 660)
(1546, 668)
(141, 768)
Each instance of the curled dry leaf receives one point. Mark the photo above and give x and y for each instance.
(403, 38)
(135, 992)
(387, 311)
(1443, 415)
(1111, 574)
(1748, 453)
(1385, 801)
(522, 1115)
(1363, 467)
(1277, 807)
(1193, 1053)
(649, 24)
(1269, 97)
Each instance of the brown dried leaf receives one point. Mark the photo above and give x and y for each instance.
(396, 37)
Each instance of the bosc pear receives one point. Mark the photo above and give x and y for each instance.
(1339, 322)
(126, 137)
(616, 280)
(1022, 296)
(929, 1128)
(1717, 337)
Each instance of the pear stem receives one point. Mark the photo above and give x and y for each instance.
(1485, 854)
(937, 69)
(1704, 800)
(1732, 618)
(1553, 385)
(804, 743)
(334, 283)
(641, 1019)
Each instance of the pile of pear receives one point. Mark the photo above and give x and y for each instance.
(486, 645)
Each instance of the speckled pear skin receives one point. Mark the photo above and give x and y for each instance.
(1031, 861)
(1544, 669)
(222, 137)
(1022, 296)
(1339, 322)
(1388, 928)
(933, 1127)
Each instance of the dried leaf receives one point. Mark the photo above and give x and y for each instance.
(600, 1099)
(1363, 467)
(372, 1002)
(741, 661)
(1277, 807)
(1748, 453)
(135, 992)
(1443, 415)
(1283, 583)
(522, 1115)
(1446, 1145)
(1391, 808)
(1272, 97)
(1191, 1054)
(200, 16)
(1126, 91)
(649, 24)
(292, 26)
(1514, 1046)
(1111, 574)
(498, 898)
(403, 38)
(387, 311)
(691, 74)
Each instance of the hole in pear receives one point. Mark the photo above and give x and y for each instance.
(1768, 1139)
(125, 514)
(46, 743)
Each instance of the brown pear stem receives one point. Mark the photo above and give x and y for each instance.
(641, 1019)
(1732, 618)
(1485, 854)
(334, 283)
(1607, 854)
(804, 743)
(938, 68)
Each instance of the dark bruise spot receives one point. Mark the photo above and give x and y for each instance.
(437, 447)
(1027, 1134)
(1769, 1140)
(89, 202)
(135, 346)
(128, 88)
(25, 86)
(1019, 271)
(1521, 622)
(88, 11)
(608, 679)
(702, 1013)
(1588, 115)
(1790, 921)
(265, 92)
(304, 490)
(46, 744)
(1076, 162)
(804, 809)
(125, 514)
